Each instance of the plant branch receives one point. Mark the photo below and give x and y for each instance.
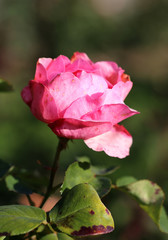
(61, 146)
(30, 200)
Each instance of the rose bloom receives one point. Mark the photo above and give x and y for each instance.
(79, 99)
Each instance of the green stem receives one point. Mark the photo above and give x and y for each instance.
(61, 146)
(51, 229)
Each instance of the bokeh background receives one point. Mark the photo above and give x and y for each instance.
(134, 33)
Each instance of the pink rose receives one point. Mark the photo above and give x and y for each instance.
(79, 99)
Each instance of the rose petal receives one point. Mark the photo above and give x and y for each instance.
(109, 70)
(80, 65)
(40, 74)
(83, 105)
(121, 89)
(115, 143)
(26, 95)
(66, 88)
(92, 83)
(43, 105)
(116, 94)
(113, 113)
(78, 129)
(80, 55)
(45, 61)
(89, 104)
(57, 66)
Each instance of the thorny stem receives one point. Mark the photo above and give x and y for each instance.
(61, 146)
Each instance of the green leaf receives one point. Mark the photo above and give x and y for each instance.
(150, 198)
(84, 159)
(1, 238)
(4, 169)
(123, 181)
(102, 185)
(14, 184)
(80, 212)
(163, 221)
(82, 172)
(31, 180)
(62, 236)
(77, 172)
(99, 171)
(19, 219)
(50, 236)
(5, 86)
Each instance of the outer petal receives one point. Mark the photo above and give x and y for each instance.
(41, 69)
(78, 129)
(113, 113)
(121, 89)
(117, 94)
(107, 106)
(26, 95)
(115, 143)
(40, 74)
(43, 105)
(91, 103)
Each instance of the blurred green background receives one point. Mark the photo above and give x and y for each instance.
(134, 33)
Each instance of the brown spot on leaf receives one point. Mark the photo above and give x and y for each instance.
(107, 211)
(4, 234)
(92, 212)
(157, 191)
(153, 183)
(94, 230)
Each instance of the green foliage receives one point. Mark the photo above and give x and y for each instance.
(19, 219)
(5, 168)
(150, 198)
(100, 171)
(1, 238)
(5, 86)
(62, 236)
(102, 185)
(163, 220)
(80, 212)
(83, 172)
(123, 181)
(14, 184)
(50, 236)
